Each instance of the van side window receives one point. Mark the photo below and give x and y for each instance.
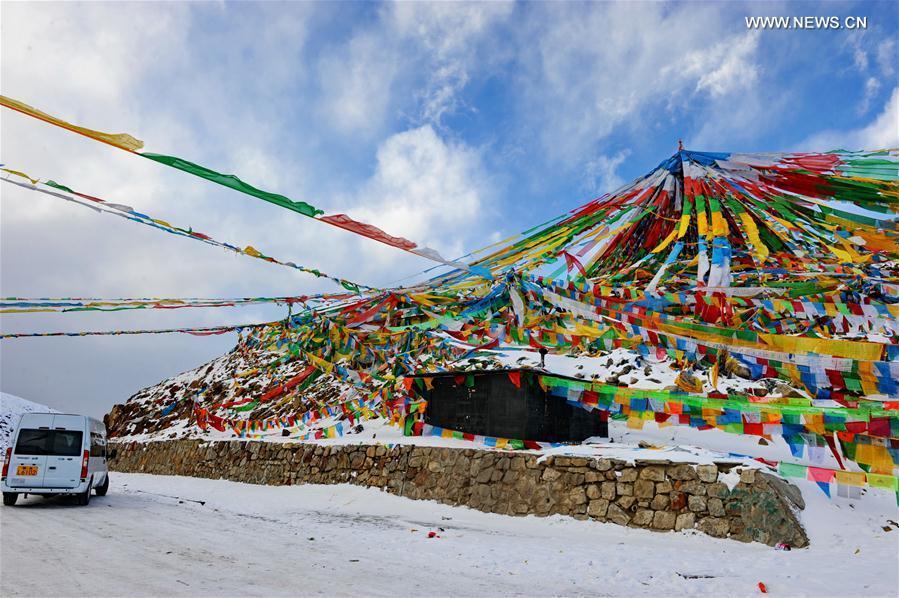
(98, 447)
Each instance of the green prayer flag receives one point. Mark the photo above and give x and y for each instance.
(58, 186)
(229, 180)
(877, 480)
(791, 470)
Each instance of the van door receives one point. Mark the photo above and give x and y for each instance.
(29, 458)
(65, 452)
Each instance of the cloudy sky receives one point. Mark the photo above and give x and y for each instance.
(448, 123)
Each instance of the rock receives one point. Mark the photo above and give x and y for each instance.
(787, 491)
(682, 471)
(678, 501)
(716, 507)
(717, 490)
(716, 527)
(697, 504)
(593, 491)
(747, 476)
(685, 521)
(785, 390)
(663, 487)
(693, 487)
(593, 476)
(602, 464)
(598, 508)
(664, 520)
(607, 490)
(707, 473)
(656, 473)
(578, 496)
(616, 514)
(627, 502)
(644, 489)
(624, 489)
(628, 475)
(551, 474)
(642, 518)
(660, 502)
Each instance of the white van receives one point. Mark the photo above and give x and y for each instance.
(56, 453)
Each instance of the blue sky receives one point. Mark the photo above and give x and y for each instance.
(450, 123)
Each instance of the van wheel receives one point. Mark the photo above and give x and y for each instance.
(9, 498)
(102, 488)
(85, 497)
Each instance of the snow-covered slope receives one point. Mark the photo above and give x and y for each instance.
(11, 408)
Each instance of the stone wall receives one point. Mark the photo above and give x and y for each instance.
(655, 495)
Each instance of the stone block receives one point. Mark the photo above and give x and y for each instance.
(716, 527)
(660, 502)
(685, 521)
(607, 490)
(598, 508)
(717, 490)
(628, 475)
(707, 473)
(577, 495)
(644, 489)
(616, 514)
(664, 520)
(602, 464)
(747, 476)
(656, 473)
(682, 471)
(627, 502)
(697, 504)
(693, 487)
(642, 518)
(716, 507)
(624, 489)
(551, 474)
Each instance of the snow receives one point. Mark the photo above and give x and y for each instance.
(11, 409)
(147, 537)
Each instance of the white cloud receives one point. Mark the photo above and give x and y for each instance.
(726, 67)
(356, 83)
(588, 69)
(860, 57)
(886, 56)
(427, 189)
(415, 60)
(872, 87)
(449, 33)
(881, 133)
(602, 172)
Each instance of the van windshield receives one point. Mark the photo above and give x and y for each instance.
(65, 443)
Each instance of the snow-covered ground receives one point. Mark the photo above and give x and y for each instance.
(11, 409)
(148, 536)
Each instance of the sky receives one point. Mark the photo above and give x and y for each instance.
(453, 124)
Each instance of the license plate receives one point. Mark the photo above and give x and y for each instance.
(26, 470)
